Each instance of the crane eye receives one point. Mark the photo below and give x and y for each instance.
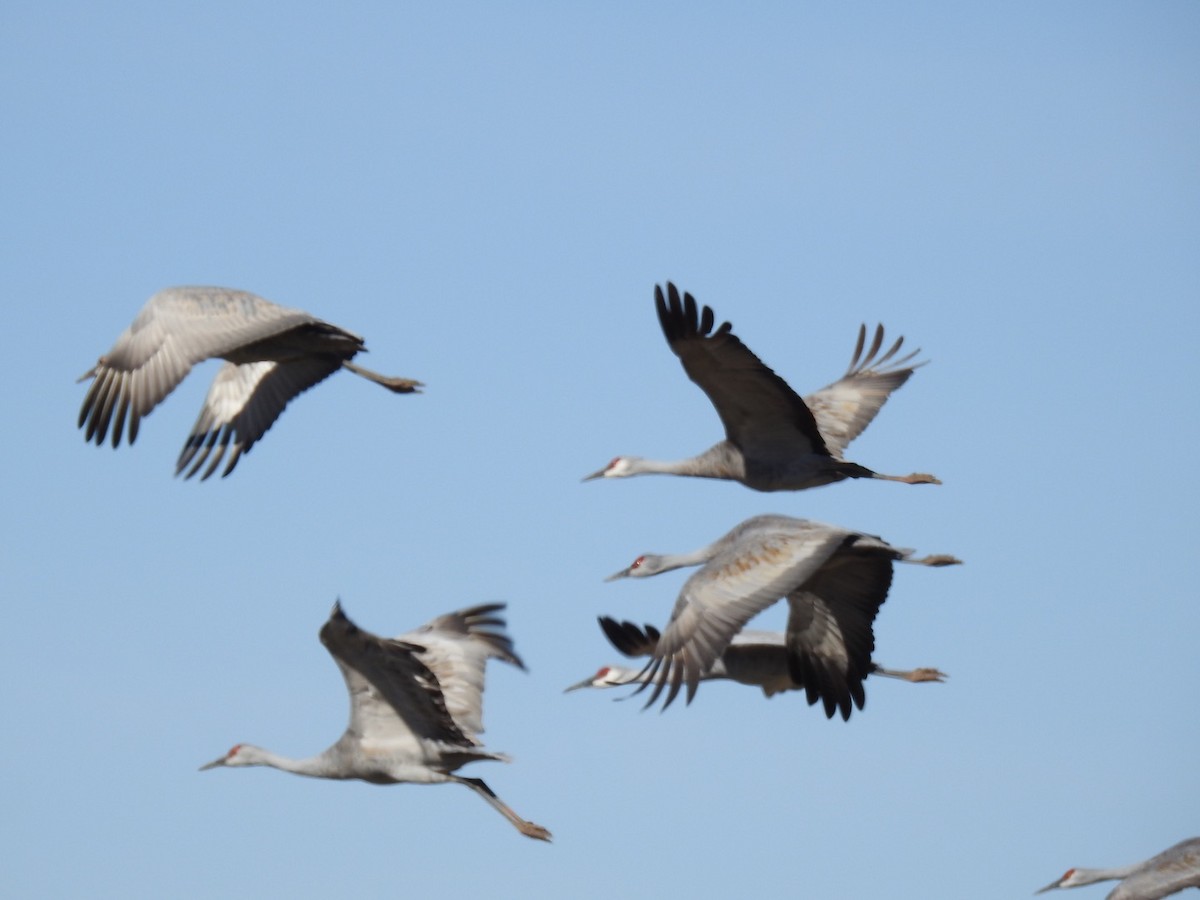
(637, 562)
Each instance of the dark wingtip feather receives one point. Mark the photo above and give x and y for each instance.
(338, 621)
(628, 639)
(682, 317)
(676, 677)
(482, 622)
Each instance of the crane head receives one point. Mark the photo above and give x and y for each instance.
(1066, 881)
(238, 755)
(618, 467)
(645, 565)
(606, 676)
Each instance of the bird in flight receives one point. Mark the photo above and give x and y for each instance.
(755, 658)
(416, 706)
(272, 354)
(775, 440)
(1175, 869)
(834, 580)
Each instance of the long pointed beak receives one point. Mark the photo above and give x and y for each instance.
(624, 573)
(1051, 886)
(220, 761)
(595, 475)
(587, 682)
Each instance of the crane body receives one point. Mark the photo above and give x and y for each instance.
(416, 706)
(754, 658)
(775, 440)
(1174, 870)
(834, 579)
(272, 354)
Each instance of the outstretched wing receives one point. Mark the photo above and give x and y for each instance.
(176, 329)
(456, 648)
(735, 585)
(846, 407)
(394, 697)
(762, 416)
(242, 403)
(829, 632)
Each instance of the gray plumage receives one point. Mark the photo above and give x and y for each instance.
(775, 440)
(272, 353)
(1175, 869)
(416, 706)
(755, 658)
(834, 579)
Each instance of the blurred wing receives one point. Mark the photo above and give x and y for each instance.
(829, 631)
(628, 639)
(735, 585)
(242, 403)
(846, 407)
(456, 648)
(394, 697)
(176, 329)
(762, 416)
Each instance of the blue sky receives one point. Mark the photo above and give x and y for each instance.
(489, 196)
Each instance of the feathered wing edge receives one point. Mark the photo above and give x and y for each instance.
(844, 408)
(242, 403)
(830, 631)
(755, 405)
(393, 669)
(480, 622)
(628, 638)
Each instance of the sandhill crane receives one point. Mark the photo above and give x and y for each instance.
(271, 354)
(1175, 869)
(834, 580)
(756, 658)
(774, 439)
(416, 706)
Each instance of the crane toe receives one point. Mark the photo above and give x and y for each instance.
(529, 829)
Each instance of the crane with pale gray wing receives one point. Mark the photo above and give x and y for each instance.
(1175, 869)
(755, 658)
(416, 706)
(272, 354)
(834, 579)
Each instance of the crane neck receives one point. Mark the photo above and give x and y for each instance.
(320, 766)
(657, 563)
(722, 460)
(669, 561)
(1091, 876)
